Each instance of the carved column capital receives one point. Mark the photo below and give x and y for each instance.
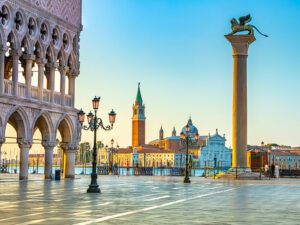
(63, 69)
(28, 57)
(24, 143)
(15, 53)
(49, 144)
(70, 147)
(52, 65)
(41, 61)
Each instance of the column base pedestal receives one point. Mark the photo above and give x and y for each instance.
(240, 173)
(186, 180)
(93, 188)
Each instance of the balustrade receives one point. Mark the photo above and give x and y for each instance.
(68, 100)
(8, 87)
(46, 95)
(57, 98)
(34, 92)
(22, 90)
(8, 90)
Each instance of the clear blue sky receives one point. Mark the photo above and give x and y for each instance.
(177, 50)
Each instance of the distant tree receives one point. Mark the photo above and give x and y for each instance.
(272, 145)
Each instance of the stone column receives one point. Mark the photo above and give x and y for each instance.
(72, 87)
(51, 67)
(69, 160)
(24, 154)
(48, 158)
(63, 71)
(41, 73)
(2, 65)
(15, 71)
(28, 73)
(240, 45)
(2, 140)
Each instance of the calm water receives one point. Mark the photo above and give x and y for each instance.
(123, 171)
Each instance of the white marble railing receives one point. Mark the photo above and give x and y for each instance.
(68, 100)
(46, 95)
(8, 87)
(22, 90)
(57, 98)
(34, 92)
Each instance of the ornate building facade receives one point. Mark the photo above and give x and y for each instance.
(138, 120)
(39, 41)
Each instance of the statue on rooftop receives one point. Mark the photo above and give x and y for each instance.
(243, 26)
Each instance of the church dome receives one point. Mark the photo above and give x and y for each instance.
(193, 129)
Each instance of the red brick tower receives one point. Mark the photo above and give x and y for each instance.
(138, 121)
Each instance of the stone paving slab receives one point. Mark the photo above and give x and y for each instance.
(149, 200)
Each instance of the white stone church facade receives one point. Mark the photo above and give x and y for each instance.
(39, 40)
(215, 153)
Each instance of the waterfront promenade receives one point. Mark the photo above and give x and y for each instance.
(148, 200)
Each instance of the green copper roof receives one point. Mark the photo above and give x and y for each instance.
(138, 95)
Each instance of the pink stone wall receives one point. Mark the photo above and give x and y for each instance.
(68, 10)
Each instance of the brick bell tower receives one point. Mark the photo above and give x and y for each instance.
(138, 120)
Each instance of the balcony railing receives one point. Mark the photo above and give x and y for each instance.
(57, 98)
(46, 95)
(68, 100)
(8, 90)
(34, 92)
(22, 90)
(8, 87)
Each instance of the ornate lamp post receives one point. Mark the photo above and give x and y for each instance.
(187, 140)
(93, 124)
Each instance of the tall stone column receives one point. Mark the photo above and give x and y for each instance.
(2, 140)
(48, 158)
(240, 45)
(72, 87)
(28, 73)
(41, 72)
(62, 71)
(51, 67)
(24, 154)
(15, 71)
(69, 160)
(2, 65)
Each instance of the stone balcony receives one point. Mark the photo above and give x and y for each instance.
(34, 96)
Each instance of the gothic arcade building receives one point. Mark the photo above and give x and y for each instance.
(39, 48)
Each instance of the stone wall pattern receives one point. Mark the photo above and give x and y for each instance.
(68, 10)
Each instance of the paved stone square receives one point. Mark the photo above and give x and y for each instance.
(149, 200)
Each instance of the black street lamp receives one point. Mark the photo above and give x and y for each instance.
(93, 124)
(186, 139)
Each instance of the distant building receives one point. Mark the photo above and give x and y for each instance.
(215, 153)
(40, 159)
(138, 120)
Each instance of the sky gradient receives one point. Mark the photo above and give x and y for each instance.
(178, 52)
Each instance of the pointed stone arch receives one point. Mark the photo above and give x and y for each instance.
(44, 123)
(50, 54)
(39, 50)
(61, 57)
(72, 61)
(66, 129)
(14, 40)
(27, 45)
(18, 118)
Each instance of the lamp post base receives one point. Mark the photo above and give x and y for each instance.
(186, 180)
(93, 188)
